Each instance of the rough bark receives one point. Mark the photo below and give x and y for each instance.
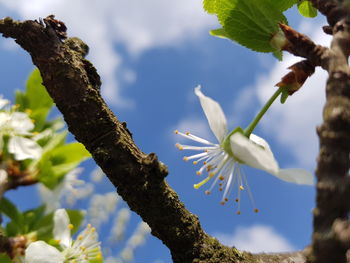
(330, 241)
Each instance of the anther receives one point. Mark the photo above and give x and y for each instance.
(237, 200)
(70, 226)
(187, 133)
(207, 192)
(241, 187)
(179, 146)
(238, 212)
(185, 158)
(199, 173)
(256, 210)
(221, 178)
(176, 132)
(195, 162)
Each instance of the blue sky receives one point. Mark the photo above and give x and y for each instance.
(151, 54)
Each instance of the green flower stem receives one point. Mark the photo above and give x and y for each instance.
(258, 117)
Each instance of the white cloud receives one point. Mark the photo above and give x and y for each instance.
(255, 239)
(138, 25)
(294, 123)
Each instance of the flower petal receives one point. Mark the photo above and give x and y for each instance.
(24, 148)
(297, 176)
(41, 252)
(260, 141)
(21, 123)
(61, 229)
(215, 116)
(3, 102)
(252, 154)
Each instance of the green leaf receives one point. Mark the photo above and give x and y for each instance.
(220, 32)
(36, 92)
(35, 100)
(4, 258)
(283, 5)
(56, 140)
(10, 210)
(209, 6)
(306, 9)
(278, 54)
(58, 161)
(69, 153)
(44, 227)
(251, 23)
(31, 217)
(46, 174)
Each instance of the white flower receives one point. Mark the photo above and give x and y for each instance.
(3, 102)
(17, 125)
(83, 249)
(223, 159)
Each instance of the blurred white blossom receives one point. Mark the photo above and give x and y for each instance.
(85, 248)
(17, 125)
(3, 102)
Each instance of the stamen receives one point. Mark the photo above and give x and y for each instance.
(250, 193)
(196, 186)
(179, 146)
(195, 156)
(198, 148)
(227, 173)
(194, 138)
